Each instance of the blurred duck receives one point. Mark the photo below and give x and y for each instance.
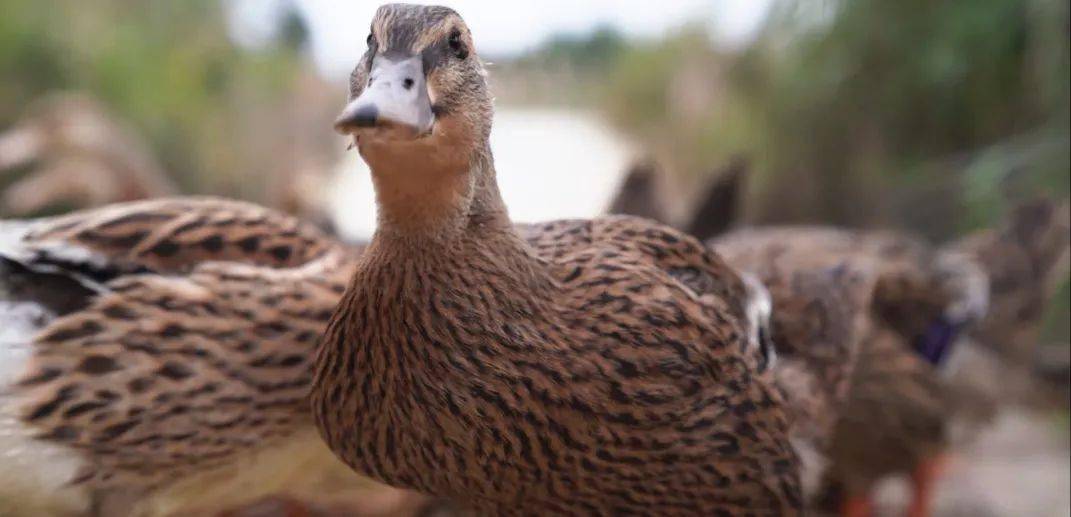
(719, 205)
(818, 321)
(892, 412)
(87, 158)
(640, 195)
(607, 366)
(1026, 259)
(83, 157)
(158, 353)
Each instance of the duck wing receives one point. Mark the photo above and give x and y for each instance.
(693, 268)
(896, 414)
(157, 339)
(691, 345)
(891, 406)
(163, 236)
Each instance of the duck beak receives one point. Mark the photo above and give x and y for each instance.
(394, 104)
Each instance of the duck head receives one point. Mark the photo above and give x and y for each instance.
(420, 84)
(419, 112)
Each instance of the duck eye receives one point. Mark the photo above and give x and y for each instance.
(456, 45)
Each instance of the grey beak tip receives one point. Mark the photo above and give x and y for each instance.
(364, 116)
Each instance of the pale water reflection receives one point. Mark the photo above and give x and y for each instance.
(551, 164)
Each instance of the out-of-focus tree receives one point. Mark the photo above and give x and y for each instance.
(960, 97)
(597, 50)
(567, 69)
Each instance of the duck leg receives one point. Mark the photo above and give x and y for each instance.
(855, 505)
(923, 479)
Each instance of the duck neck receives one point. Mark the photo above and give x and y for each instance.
(435, 195)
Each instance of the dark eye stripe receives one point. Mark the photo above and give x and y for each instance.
(434, 56)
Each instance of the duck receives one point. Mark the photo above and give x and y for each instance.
(77, 153)
(87, 157)
(713, 214)
(894, 413)
(1026, 257)
(818, 323)
(574, 367)
(158, 353)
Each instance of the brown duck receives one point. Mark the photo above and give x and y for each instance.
(894, 416)
(146, 342)
(819, 318)
(1027, 259)
(83, 155)
(714, 213)
(608, 366)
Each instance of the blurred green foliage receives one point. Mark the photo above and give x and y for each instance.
(929, 115)
(926, 114)
(167, 67)
(595, 52)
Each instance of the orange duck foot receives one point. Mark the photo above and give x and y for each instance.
(923, 480)
(856, 506)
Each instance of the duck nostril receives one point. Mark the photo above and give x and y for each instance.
(408, 83)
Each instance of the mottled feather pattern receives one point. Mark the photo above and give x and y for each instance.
(819, 312)
(171, 235)
(894, 405)
(609, 387)
(197, 348)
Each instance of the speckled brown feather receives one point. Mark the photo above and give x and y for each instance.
(589, 382)
(820, 310)
(173, 235)
(193, 346)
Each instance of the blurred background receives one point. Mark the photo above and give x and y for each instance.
(932, 116)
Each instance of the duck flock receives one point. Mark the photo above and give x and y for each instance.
(612, 366)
